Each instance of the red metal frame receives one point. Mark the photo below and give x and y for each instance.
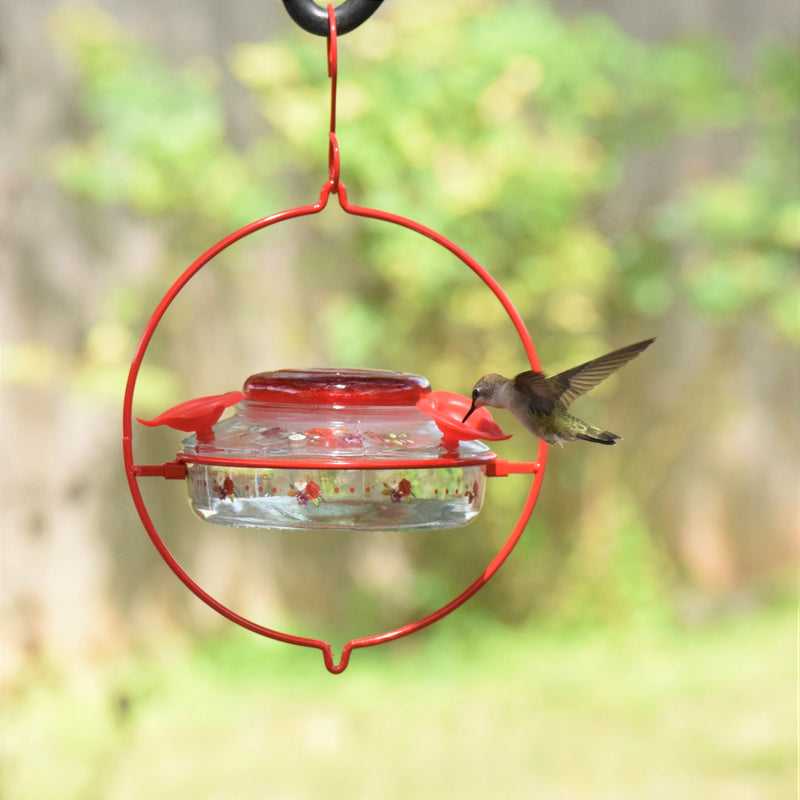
(176, 469)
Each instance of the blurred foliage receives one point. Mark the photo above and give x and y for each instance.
(741, 232)
(158, 133)
(508, 133)
(504, 135)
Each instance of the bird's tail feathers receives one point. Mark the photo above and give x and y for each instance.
(592, 434)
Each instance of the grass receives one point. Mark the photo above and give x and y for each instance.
(465, 710)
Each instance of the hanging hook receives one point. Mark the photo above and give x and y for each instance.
(310, 17)
(333, 70)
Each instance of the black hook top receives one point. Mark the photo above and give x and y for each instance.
(310, 17)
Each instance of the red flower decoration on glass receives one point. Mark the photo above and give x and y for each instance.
(305, 492)
(225, 488)
(321, 437)
(397, 493)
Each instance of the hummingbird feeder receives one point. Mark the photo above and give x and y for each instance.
(331, 449)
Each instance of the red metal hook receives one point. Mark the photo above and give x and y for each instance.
(334, 164)
(333, 68)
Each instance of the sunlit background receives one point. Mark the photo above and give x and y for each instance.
(624, 170)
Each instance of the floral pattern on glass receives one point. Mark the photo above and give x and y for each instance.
(305, 493)
(224, 487)
(397, 493)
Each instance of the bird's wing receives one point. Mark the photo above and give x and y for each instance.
(536, 388)
(568, 386)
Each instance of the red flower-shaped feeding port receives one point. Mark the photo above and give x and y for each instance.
(198, 415)
(447, 410)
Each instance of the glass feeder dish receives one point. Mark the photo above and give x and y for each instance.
(335, 449)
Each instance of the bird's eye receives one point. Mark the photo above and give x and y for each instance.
(476, 393)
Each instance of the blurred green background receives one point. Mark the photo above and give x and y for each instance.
(624, 171)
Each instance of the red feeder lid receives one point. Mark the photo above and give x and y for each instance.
(339, 387)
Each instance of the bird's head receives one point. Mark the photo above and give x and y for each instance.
(487, 392)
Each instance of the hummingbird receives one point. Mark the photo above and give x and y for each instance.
(540, 403)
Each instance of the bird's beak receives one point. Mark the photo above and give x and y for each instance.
(471, 409)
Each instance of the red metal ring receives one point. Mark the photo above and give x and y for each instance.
(133, 477)
(338, 463)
